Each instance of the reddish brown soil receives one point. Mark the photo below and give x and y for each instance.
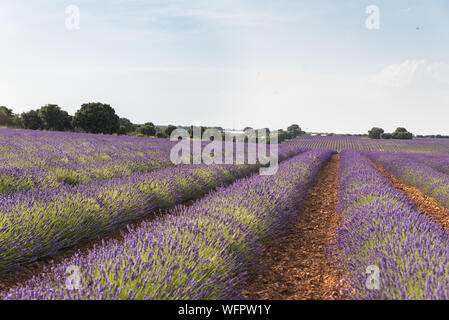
(298, 267)
(426, 204)
(22, 274)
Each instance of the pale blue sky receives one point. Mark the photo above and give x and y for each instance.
(233, 63)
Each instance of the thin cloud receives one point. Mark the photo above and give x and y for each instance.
(413, 73)
(190, 13)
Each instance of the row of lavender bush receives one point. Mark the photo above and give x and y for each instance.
(199, 252)
(428, 180)
(39, 159)
(45, 159)
(424, 145)
(37, 223)
(383, 229)
(438, 162)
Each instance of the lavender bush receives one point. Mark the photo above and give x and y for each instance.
(438, 162)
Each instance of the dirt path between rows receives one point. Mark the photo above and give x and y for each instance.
(426, 204)
(298, 267)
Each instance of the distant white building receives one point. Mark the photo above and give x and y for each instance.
(235, 132)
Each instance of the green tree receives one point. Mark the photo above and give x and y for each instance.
(400, 129)
(32, 120)
(190, 130)
(126, 126)
(148, 129)
(402, 133)
(294, 131)
(282, 135)
(168, 130)
(54, 118)
(96, 117)
(293, 127)
(6, 116)
(17, 121)
(375, 133)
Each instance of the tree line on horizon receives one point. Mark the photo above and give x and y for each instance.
(94, 117)
(99, 118)
(399, 133)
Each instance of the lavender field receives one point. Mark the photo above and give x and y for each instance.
(339, 143)
(223, 159)
(104, 217)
